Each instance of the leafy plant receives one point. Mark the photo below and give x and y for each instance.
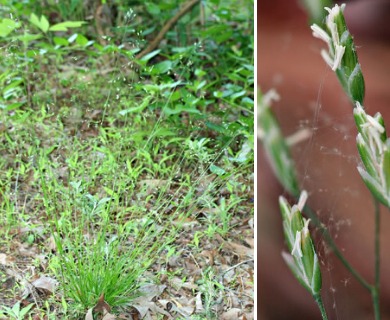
(16, 312)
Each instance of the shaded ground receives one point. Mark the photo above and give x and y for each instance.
(66, 138)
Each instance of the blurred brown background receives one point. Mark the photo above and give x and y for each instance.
(289, 60)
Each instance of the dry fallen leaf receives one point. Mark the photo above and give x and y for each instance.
(185, 222)
(199, 303)
(251, 223)
(239, 249)
(232, 314)
(6, 260)
(152, 184)
(183, 306)
(43, 285)
(100, 311)
(210, 254)
(144, 303)
(146, 307)
(106, 316)
(250, 242)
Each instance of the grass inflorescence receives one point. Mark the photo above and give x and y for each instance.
(372, 144)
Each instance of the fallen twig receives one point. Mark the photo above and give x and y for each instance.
(154, 44)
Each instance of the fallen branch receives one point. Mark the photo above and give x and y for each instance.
(171, 22)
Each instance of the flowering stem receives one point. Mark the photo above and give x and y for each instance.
(375, 289)
(321, 306)
(314, 218)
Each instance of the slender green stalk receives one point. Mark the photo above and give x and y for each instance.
(375, 291)
(321, 306)
(329, 240)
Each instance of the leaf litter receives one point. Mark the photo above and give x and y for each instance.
(178, 297)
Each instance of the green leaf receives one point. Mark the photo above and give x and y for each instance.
(199, 85)
(63, 26)
(164, 132)
(42, 23)
(83, 41)
(162, 67)
(200, 73)
(218, 128)
(150, 55)
(7, 26)
(14, 106)
(59, 41)
(179, 109)
(218, 94)
(160, 87)
(152, 8)
(219, 33)
(139, 108)
(27, 37)
(237, 94)
(217, 170)
(12, 88)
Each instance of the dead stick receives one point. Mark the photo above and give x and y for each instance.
(154, 44)
(235, 266)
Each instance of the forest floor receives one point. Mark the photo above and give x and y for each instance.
(94, 156)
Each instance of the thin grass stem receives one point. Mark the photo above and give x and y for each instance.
(329, 240)
(320, 304)
(375, 292)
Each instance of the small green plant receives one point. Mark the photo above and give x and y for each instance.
(210, 290)
(16, 312)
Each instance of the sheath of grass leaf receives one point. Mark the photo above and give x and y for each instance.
(374, 149)
(341, 56)
(303, 260)
(276, 149)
